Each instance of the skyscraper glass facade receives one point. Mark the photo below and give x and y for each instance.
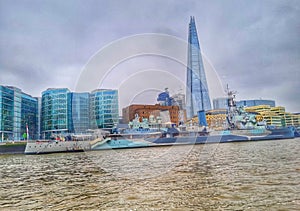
(104, 108)
(6, 113)
(56, 112)
(80, 112)
(164, 98)
(17, 110)
(29, 116)
(39, 117)
(65, 112)
(17, 114)
(179, 100)
(197, 95)
(220, 103)
(248, 103)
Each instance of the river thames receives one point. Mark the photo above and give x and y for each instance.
(261, 175)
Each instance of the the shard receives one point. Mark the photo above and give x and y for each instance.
(197, 95)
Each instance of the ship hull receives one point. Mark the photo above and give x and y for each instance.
(297, 133)
(222, 137)
(122, 143)
(282, 133)
(12, 148)
(46, 147)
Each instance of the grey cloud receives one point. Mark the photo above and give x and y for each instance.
(253, 45)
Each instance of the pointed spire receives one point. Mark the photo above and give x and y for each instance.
(197, 96)
(191, 20)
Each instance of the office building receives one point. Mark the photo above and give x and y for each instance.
(179, 100)
(18, 111)
(197, 95)
(167, 113)
(64, 112)
(39, 117)
(220, 103)
(56, 112)
(164, 98)
(248, 103)
(104, 108)
(275, 116)
(80, 112)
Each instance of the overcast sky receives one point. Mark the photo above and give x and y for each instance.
(254, 46)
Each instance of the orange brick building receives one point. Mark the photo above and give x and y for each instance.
(144, 111)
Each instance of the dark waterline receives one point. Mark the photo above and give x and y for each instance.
(234, 176)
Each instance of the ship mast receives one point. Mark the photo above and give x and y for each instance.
(231, 105)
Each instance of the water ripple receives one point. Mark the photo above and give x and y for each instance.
(237, 176)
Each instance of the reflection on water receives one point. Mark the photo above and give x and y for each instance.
(233, 176)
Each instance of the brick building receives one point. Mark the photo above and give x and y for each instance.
(144, 111)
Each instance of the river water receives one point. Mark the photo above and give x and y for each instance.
(233, 176)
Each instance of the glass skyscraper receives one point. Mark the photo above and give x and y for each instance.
(104, 108)
(197, 95)
(56, 112)
(17, 109)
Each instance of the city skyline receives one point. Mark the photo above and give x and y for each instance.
(252, 45)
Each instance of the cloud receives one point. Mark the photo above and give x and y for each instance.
(253, 45)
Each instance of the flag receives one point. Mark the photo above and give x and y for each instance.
(27, 132)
